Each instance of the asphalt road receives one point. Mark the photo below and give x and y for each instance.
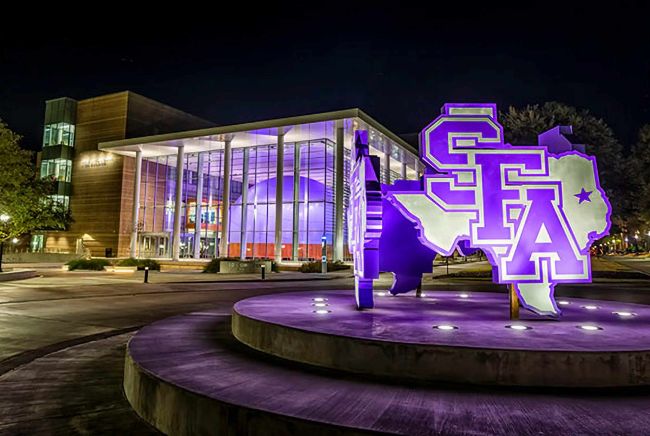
(62, 340)
(642, 265)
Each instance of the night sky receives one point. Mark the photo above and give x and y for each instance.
(398, 63)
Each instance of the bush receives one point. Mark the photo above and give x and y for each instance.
(213, 265)
(316, 266)
(88, 264)
(131, 261)
(151, 263)
(140, 263)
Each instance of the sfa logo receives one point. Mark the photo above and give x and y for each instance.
(533, 210)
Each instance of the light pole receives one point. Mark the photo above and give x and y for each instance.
(3, 219)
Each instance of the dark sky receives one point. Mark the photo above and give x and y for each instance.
(397, 62)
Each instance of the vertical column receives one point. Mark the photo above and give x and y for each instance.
(244, 205)
(339, 155)
(403, 174)
(225, 203)
(295, 240)
(136, 202)
(418, 169)
(387, 165)
(199, 206)
(279, 171)
(176, 244)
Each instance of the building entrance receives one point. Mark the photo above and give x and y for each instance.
(154, 245)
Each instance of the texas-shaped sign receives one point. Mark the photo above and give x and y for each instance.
(533, 210)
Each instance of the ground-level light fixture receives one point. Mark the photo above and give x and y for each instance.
(320, 305)
(590, 307)
(445, 327)
(518, 327)
(463, 295)
(563, 303)
(319, 299)
(624, 314)
(322, 311)
(15, 240)
(589, 327)
(381, 294)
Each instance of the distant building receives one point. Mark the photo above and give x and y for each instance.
(226, 199)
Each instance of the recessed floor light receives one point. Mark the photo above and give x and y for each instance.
(590, 307)
(381, 294)
(518, 327)
(589, 328)
(563, 303)
(463, 295)
(624, 314)
(319, 299)
(320, 304)
(322, 311)
(445, 327)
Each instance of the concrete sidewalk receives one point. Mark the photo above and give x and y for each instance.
(49, 277)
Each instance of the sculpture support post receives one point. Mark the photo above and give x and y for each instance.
(514, 302)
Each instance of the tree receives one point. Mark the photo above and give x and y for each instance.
(24, 196)
(639, 164)
(521, 127)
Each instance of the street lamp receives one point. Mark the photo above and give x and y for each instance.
(3, 218)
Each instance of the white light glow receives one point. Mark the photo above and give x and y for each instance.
(445, 327)
(563, 303)
(381, 294)
(518, 327)
(590, 328)
(590, 307)
(320, 304)
(319, 299)
(624, 314)
(463, 295)
(321, 311)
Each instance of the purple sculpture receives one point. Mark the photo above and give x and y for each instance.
(534, 210)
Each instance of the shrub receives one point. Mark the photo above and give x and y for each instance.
(153, 265)
(88, 264)
(212, 266)
(316, 267)
(140, 263)
(215, 264)
(131, 261)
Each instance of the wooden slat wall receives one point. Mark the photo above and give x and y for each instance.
(96, 191)
(102, 196)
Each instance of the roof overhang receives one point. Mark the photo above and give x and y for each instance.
(213, 138)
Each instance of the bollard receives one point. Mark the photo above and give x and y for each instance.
(263, 271)
(146, 274)
(323, 244)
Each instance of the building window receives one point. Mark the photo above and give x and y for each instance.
(59, 134)
(57, 169)
(62, 200)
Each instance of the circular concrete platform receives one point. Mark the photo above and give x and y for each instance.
(451, 337)
(188, 375)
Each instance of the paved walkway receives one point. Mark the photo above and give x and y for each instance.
(63, 335)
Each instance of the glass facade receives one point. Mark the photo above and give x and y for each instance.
(58, 134)
(57, 169)
(58, 143)
(306, 172)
